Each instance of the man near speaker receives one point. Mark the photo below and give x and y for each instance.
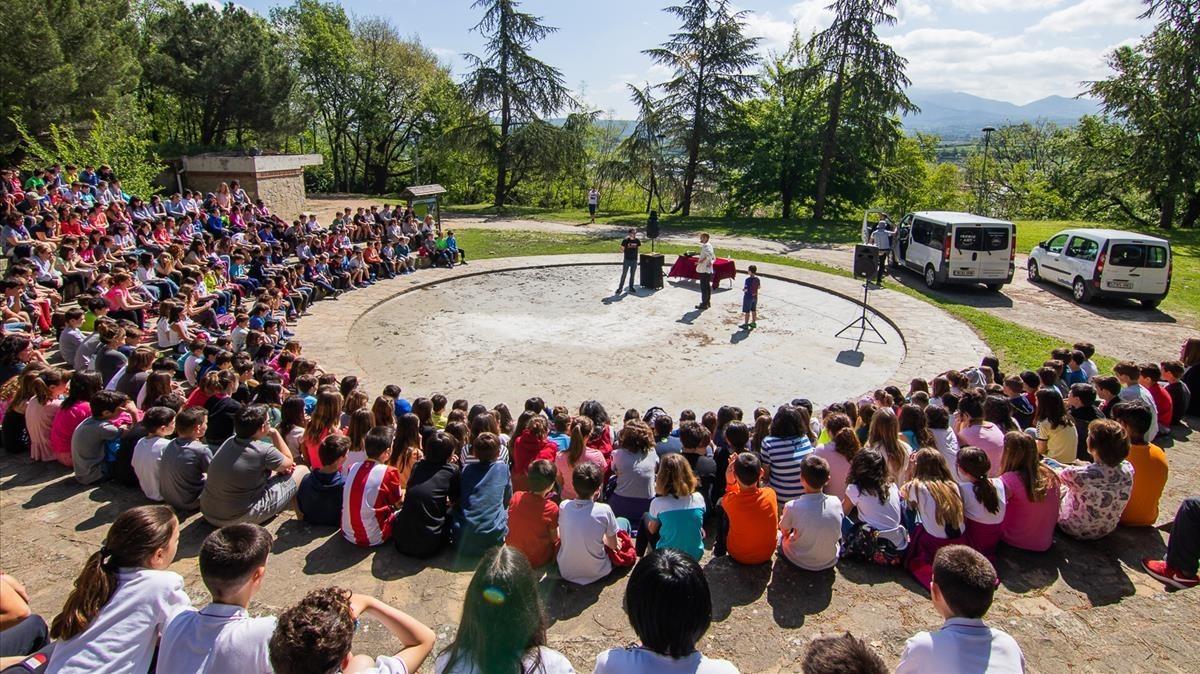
(882, 238)
(704, 269)
(629, 245)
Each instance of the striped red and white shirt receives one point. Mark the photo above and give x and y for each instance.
(369, 500)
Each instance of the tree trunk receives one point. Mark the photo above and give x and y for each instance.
(829, 143)
(1191, 213)
(505, 120)
(786, 197)
(1166, 211)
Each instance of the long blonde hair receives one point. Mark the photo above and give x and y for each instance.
(930, 471)
(885, 436)
(675, 477)
(325, 416)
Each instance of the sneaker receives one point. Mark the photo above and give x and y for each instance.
(753, 326)
(744, 326)
(1169, 575)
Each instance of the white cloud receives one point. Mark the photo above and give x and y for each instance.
(984, 6)
(805, 17)
(1090, 14)
(1010, 68)
(912, 10)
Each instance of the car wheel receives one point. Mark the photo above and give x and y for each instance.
(931, 277)
(1151, 304)
(994, 287)
(1081, 291)
(1034, 276)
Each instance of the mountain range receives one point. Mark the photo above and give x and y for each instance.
(956, 115)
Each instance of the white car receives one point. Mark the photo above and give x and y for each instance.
(1105, 263)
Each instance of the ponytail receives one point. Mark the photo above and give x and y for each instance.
(132, 539)
(27, 386)
(581, 430)
(845, 442)
(974, 464)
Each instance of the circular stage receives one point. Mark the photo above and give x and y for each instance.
(559, 332)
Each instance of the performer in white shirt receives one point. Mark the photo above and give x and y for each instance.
(704, 267)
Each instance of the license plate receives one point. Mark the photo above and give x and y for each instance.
(1120, 284)
(963, 272)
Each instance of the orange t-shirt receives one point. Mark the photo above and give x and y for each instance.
(753, 522)
(1149, 478)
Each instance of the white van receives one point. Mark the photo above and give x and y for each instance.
(1105, 263)
(951, 247)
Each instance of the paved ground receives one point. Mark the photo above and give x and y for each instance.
(356, 334)
(1119, 329)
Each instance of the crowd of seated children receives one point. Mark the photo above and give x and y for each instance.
(259, 429)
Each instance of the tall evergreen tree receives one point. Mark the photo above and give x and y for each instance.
(509, 82)
(865, 73)
(711, 58)
(1155, 95)
(642, 154)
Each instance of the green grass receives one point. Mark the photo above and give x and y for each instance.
(1017, 346)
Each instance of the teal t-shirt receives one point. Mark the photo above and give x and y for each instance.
(681, 523)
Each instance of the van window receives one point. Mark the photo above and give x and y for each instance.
(920, 231)
(1138, 255)
(1083, 249)
(982, 239)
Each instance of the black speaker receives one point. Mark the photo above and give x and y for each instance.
(652, 270)
(866, 261)
(652, 225)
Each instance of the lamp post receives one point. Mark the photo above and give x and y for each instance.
(987, 138)
(417, 153)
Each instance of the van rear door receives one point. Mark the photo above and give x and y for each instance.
(964, 252)
(994, 250)
(1136, 267)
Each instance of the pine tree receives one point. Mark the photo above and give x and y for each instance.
(863, 70)
(509, 83)
(711, 57)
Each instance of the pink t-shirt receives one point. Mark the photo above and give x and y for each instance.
(1028, 525)
(39, 419)
(988, 437)
(64, 427)
(117, 298)
(839, 469)
(564, 469)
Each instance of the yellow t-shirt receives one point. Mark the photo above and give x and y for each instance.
(1060, 442)
(1149, 477)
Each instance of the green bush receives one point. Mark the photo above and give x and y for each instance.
(119, 142)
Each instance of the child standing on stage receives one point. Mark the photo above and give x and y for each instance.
(750, 299)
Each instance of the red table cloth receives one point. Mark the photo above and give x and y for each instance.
(685, 267)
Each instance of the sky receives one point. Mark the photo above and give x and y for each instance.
(1011, 50)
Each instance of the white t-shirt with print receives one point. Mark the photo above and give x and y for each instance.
(884, 517)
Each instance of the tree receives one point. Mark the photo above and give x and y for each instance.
(709, 55)
(397, 80)
(199, 55)
(117, 141)
(643, 156)
(772, 141)
(509, 83)
(1155, 95)
(322, 50)
(866, 89)
(67, 60)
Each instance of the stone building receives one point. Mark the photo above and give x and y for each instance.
(276, 179)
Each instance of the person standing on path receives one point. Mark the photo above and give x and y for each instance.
(882, 238)
(593, 203)
(704, 267)
(629, 245)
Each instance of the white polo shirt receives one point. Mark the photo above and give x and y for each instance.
(962, 645)
(217, 638)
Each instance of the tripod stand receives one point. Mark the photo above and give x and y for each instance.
(862, 323)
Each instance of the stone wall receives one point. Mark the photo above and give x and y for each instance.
(276, 179)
